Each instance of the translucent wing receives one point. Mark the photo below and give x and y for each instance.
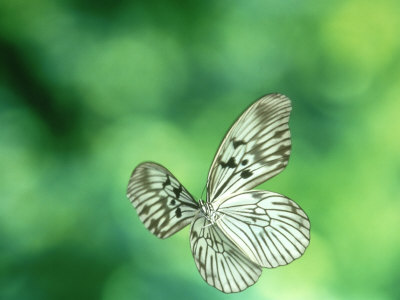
(162, 203)
(219, 261)
(269, 228)
(256, 148)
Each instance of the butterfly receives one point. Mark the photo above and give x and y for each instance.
(236, 231)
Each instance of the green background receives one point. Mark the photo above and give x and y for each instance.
(89, 89)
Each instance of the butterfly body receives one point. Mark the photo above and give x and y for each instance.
(209, 212)
(237, 231)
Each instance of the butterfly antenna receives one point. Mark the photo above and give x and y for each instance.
(202, 193)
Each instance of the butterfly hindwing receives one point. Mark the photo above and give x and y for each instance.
(269, 228)
(162, 203)
(256, 148)
(218, 260)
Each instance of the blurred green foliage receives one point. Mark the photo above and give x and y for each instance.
(89, 89)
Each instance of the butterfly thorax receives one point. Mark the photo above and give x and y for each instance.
(209, 212)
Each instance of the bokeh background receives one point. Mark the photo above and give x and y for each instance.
(89, 89)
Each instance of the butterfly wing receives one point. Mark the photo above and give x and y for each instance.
(218, 260)
(162, 203)
(256, 148)
(269, 228)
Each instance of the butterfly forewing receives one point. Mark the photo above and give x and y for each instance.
(162, 203)
(269, 228)
(219, 261)
(256, 148)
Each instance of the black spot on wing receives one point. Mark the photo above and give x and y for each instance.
(279, 133)
(257, 195)
(238, 143)
(178, 191)
(153, 225)
(246, 174)
(244, 162)
(230, 163)
(167, 182)
(145, 210)
(178, 212)
(283, 150)
(172, 202)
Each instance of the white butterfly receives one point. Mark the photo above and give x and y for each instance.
(236, 231)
